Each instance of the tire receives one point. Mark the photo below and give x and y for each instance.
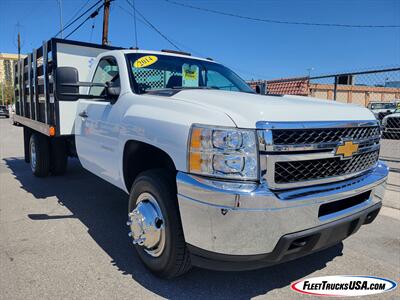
(27, 140)
(58, 156)
(39, 155)
(174, 259)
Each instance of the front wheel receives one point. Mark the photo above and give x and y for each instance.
(155, 224)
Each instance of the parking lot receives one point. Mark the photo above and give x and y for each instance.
(65, 237)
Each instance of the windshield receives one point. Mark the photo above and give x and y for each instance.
(382, 106)
(156, 72)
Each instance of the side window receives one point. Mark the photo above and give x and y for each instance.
(107, 70)
(217, 80)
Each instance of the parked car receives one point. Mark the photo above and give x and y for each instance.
(391, 125)
(217, 176)
(4, 111)
(382, 109)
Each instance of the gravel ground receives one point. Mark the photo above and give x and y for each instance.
(65, 237)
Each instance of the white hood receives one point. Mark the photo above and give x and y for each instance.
(246, 109)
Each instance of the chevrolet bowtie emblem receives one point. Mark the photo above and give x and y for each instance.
(347, 149)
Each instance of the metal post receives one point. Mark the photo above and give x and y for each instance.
(35, 85)
(22, 62)
(335, 88)
(45, 82)
(19, 88)
(30, 87)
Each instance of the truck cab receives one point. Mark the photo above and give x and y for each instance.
(217, 176)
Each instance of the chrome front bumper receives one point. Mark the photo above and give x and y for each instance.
(235, 218)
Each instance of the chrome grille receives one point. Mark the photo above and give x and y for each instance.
(391, 128)
(298, 154)
(295, 171)
(393, 122)
(322, 135)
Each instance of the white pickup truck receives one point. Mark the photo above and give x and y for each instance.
(217, 176)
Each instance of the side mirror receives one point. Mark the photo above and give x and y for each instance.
(67, 85)
(67, 80)
(112, 91)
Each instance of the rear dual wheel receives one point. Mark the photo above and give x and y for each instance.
(47, 156)
(39, 155)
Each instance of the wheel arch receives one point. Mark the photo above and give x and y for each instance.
(140, 156)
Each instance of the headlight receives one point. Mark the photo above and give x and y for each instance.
(223, 152)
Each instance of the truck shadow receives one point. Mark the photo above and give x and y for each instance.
(102, 208)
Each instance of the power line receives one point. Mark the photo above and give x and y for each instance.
(80, 16)
(193, 50)
(91, 30)
(92, 15)
(154, 27)
(144, 23)
(277, 21)
(78, 11)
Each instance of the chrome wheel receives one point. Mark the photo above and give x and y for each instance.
(33, 156)
(147, 225)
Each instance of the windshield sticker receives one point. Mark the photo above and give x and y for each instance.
(190, 75)
(145, 61)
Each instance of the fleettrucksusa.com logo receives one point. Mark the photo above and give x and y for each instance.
(343, 285)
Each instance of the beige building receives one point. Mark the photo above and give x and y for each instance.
(7, 62)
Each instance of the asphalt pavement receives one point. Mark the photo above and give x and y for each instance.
(65, 238)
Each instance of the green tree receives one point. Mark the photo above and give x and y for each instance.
(6, 93)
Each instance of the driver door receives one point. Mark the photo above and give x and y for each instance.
(97, 125)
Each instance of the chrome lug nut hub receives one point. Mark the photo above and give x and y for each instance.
(147, 225)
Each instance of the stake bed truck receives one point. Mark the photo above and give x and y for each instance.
(217, 176)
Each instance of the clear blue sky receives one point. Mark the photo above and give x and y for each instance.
(253, 49)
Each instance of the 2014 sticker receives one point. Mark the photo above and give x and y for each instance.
(145, 61)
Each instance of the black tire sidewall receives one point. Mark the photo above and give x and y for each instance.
(42, 163)
(165, 196)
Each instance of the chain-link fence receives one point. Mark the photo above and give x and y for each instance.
(363, 88)
(379, 90)
(391, 126)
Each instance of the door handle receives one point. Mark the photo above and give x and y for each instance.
(83, 114)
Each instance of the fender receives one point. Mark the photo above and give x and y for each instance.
(164, 123)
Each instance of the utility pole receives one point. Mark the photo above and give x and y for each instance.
(18, 41)
(104, 40)
(19, 46)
